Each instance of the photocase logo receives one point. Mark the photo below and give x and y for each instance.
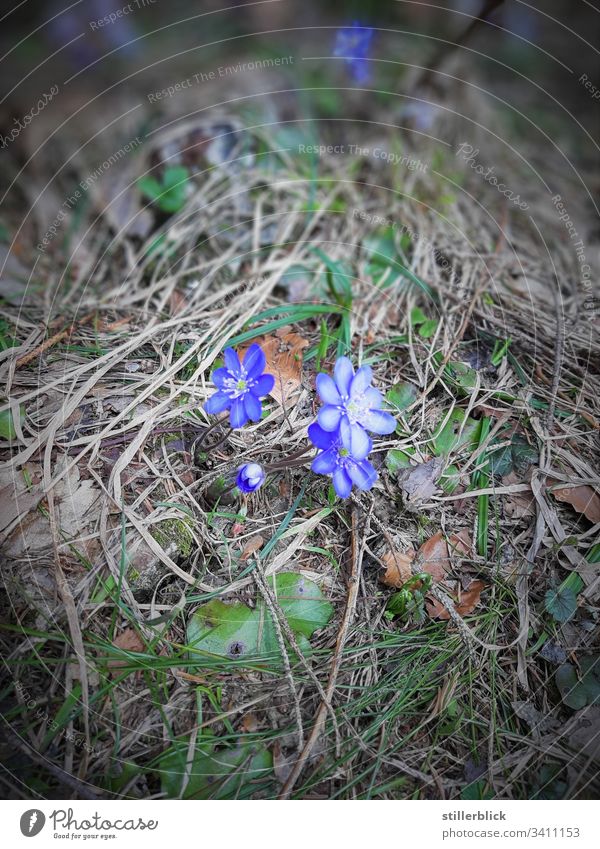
(32, 822)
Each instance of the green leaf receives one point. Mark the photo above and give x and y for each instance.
(449, 479)
(519, 455)
(7, 425)
(456, 433)
(428, 328)
(577, 691)
(339, 278)
(380, 249)
(475, 790)
(463, 375)
(237, 631)
(561, 603)
(214, 773)
(228, 630)
(170, 195)
(401, 396)
(302, 602)
(396, 460)
(417, 317)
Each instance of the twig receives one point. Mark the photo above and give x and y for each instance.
(269, 601)
(558, 357)
(353, 586)
(53, 340)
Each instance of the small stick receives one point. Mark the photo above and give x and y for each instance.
(270, 602)
(353, 586)
(49, 343)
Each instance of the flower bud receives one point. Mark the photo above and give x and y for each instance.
(250, 477)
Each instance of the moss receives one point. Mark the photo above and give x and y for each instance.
(175, 531)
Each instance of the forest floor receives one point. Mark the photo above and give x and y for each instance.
(334, 671)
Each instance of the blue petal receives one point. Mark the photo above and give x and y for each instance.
(252, 407)
(363, 475)
(374, 398)
(263, 385)
(343, 374)
(361, 381)
(217, 403)
(327, 389)
(342, 483)
(254, 361)
(232, 362)
(237, 414)
(321, 438)
(329, 417)
(325, 462)
(360, 444)
(379, 422)
(219, 375)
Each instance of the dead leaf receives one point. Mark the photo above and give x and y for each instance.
(583, 733)
(253, 545)
(465, 602)
(397, 567)
(460, 544)
(177, 302)
(582, 498)
(283, 351)
(249, 723)
(128, 640)
(282, 765)
(420, 482)
(434, 557)
(537, 721)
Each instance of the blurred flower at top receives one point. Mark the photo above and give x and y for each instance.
(352, 44)
(67, 26)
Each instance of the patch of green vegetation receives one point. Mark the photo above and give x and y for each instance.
(240, 632)
(170, 192)
(174, 531)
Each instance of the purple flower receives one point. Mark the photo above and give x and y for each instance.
(351, 401)
(250, 477)
(352, 44)
(240, 386)
(335, 459)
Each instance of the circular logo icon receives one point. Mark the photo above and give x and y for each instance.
(32, 822)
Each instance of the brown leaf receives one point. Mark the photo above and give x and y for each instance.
(253, 545)
(583, 498)
(460, 543)
(420, 482)
(435, 557)
(128, 640)
(464, 603)
(282, 765)
(283, 351)
(249, 723)
(397, 567)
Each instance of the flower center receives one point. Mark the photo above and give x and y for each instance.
(237, 386)
(344, 452)
(356, 408)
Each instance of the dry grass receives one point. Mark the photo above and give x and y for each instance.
(415, 710)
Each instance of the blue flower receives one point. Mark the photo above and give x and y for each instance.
(352, 44)
(335, 459)
(351, 401)
(240, 386)
(250, 477)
